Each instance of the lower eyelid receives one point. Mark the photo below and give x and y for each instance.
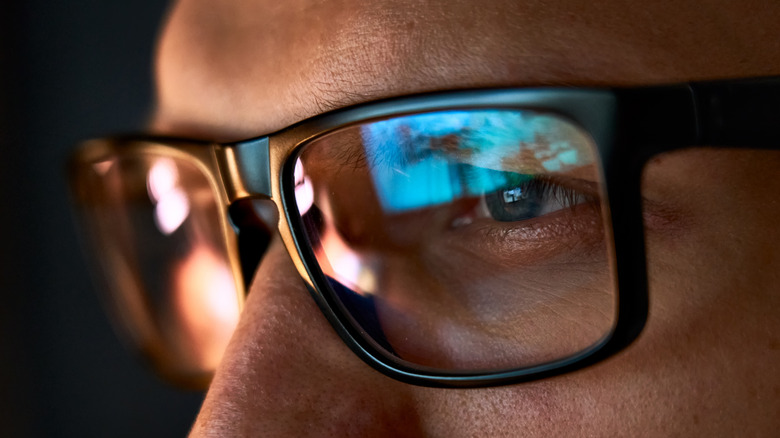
(564, 233)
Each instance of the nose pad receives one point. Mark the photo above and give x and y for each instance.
(256, 220)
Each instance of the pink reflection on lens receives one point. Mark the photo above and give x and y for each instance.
(206, 304)
(102, 167)
(304, 193)
(163, 177)
(171, 211)
(339, 261)
(171, 203)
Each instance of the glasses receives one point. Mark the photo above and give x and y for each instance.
(459, 239)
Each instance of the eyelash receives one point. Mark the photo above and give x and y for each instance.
(537, 196)
(552, 188)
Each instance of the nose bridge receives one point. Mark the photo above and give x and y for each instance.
(287, 373)
(245, 169)
(295, 365)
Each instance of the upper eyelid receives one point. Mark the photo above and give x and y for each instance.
(586, 187)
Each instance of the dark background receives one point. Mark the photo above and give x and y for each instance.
(69, 70)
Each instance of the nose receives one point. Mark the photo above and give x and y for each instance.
(287, 373)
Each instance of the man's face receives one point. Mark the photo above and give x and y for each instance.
(707, 361)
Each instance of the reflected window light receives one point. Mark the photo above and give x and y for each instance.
(171, 203)
(207, 305)
(304, 192)
(102, 167)
(514, 195)
(345, 265)
(171, 211)
(163, 177)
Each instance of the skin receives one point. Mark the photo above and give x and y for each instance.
(707, 362)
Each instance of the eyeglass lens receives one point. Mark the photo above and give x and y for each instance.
(155, 221)
(463, 241)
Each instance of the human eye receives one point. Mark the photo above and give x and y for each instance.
(532, 197)
(518, 219)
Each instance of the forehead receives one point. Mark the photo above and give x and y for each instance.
(239, 68)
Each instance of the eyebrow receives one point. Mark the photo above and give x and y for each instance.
(338, 93)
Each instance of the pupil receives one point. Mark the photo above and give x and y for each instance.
(514, 204)
(513, 195)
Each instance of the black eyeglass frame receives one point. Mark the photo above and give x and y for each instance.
(628, 125)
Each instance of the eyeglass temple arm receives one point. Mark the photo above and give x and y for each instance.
(738, 113)
(744, 113)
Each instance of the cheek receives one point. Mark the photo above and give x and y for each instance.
(449, 307)
(721, 253)
(714, 286)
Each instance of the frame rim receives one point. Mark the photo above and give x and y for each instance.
(202, 157)
(576, 105)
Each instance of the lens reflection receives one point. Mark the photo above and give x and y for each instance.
(465, 240)
(156, 224)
